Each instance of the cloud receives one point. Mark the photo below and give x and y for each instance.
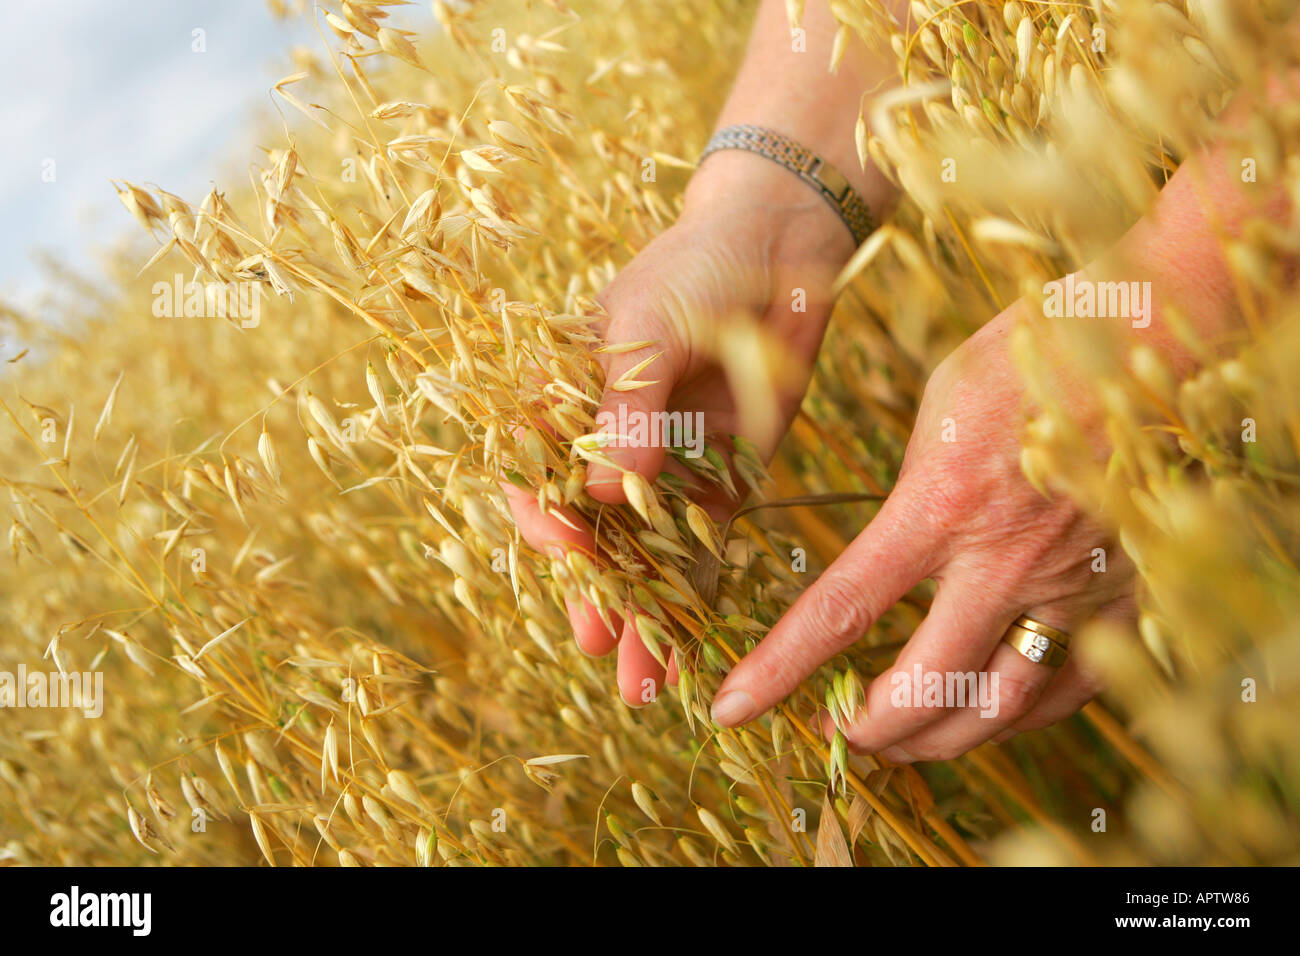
(113, 90)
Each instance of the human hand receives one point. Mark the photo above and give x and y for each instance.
(963, 514)
(750, 235)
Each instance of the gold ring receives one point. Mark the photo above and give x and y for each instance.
(1036, 647)
(1038, 627)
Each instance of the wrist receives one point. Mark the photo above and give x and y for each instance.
(792, 215)
(1176, 261)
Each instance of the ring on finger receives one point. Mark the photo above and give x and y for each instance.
(1038, 642)
(1038, 627)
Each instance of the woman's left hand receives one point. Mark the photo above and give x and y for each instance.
(963, 514)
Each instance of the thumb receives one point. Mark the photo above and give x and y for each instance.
(638, 384)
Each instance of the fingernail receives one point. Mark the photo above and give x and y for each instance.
(897, 755)
(820, 723)
(733, 707)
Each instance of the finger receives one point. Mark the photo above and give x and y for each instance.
(546, 531)
(593, 635)
(958, 636)
(1075, 685)
(554, 537)
(640, 676)
(1072, 687)
(1007, 688)
(633, 416)
(879, 567)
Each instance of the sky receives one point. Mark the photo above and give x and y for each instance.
(114, 89)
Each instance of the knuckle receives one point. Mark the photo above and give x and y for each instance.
(1016, 696)
(945, 507)
(837, 607)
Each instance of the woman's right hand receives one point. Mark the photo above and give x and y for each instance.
(753, 240)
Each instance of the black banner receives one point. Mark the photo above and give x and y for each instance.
(261, 906)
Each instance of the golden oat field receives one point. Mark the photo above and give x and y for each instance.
(285, 545)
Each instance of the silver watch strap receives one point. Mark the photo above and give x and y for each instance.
(807, 165)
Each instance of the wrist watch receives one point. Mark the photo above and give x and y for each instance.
(828, 181)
